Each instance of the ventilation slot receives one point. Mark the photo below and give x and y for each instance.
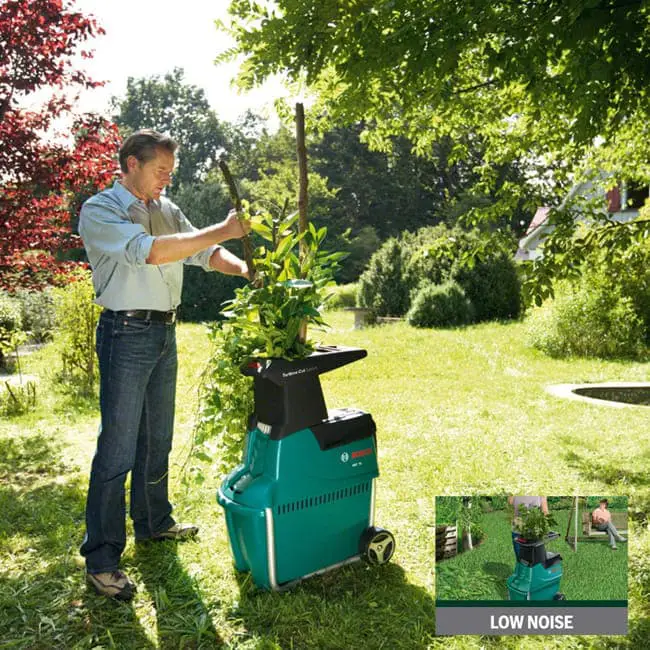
(322, 499)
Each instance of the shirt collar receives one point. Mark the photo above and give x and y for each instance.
(126, 198)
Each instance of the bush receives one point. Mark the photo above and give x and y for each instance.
(589, 318)
(483, 265)
(360, 249)
(343, 295)
(492, 285)
(11, 323)
(76, 321)
(17, 399)
(38, 314)
(441, 305)
(204, 292)
(382, 286)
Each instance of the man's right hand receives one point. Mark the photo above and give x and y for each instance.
(235, 226)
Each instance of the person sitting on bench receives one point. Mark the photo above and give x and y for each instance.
(602, 520)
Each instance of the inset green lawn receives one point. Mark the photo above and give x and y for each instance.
(594, 572)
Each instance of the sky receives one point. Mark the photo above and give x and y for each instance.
(152, 37)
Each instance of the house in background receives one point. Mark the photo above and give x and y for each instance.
(622, 204)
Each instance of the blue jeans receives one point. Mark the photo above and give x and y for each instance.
(515, 544)
(137, 366)
(611, 531)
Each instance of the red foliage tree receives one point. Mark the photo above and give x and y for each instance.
(44, 174)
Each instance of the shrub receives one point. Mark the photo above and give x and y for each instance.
(361, 248)
(343, 295)
(483, 265)
(204, 294)
(268, 319)
(589, 318)
(382, 286)
(17, 399)
(431, 253)
(76, 321)
(535, 524)
(38, 314)
(492, 285)
(441, 305)
(11, 323)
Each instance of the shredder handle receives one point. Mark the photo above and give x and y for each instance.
(237, 508)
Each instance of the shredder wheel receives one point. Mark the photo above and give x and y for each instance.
(376, 545)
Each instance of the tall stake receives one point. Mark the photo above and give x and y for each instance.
(301, 150)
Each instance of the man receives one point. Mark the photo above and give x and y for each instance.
(137, 242)
(601, 518)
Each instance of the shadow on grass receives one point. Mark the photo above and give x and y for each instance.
(352, 607)
(44, 602)
(183, 619)
(500, 572)
(618, 477)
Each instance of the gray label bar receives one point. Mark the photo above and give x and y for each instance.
(531, 620)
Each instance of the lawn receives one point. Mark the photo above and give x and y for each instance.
(457, 412)
(594, 572)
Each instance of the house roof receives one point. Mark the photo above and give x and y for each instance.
(540, 217)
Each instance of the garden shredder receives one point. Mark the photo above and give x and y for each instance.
(537, 573)
(302, 500)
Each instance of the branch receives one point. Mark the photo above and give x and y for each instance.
(470, 89)
(236, 199)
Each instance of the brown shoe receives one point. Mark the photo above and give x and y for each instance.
(114, 585)
(178, 532)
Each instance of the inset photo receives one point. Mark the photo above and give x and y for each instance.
(537, 551)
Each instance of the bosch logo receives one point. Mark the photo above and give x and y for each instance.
(345, 457)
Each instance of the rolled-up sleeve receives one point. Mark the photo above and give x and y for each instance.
(202, 258)
(105, 232)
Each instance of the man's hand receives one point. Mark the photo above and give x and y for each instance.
(235, 226)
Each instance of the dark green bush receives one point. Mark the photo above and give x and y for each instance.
(492, 285)
(588, 318)
(204, 292)
(382, 286)
(440, 305)
(360, 248)
(482, 264)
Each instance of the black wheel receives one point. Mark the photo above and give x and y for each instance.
(376, 545)
(559, 596)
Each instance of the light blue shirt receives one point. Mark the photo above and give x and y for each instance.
(118, 230)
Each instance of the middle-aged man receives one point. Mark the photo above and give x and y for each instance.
(602, 520)
(137, 241)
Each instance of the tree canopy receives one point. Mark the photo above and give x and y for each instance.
(170, 105)
(556, 87)
(41, 177)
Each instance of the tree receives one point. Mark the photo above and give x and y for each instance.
(535, 82)
(171, 105)
(40, 175)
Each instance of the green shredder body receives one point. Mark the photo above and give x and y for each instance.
(303, 495)
(537, 574)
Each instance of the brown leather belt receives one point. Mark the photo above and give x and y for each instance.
(167, 317)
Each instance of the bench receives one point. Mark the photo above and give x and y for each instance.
(362, 316)
(619, 519)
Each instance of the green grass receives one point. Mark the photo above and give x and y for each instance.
(594, 572)
(457, 412)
